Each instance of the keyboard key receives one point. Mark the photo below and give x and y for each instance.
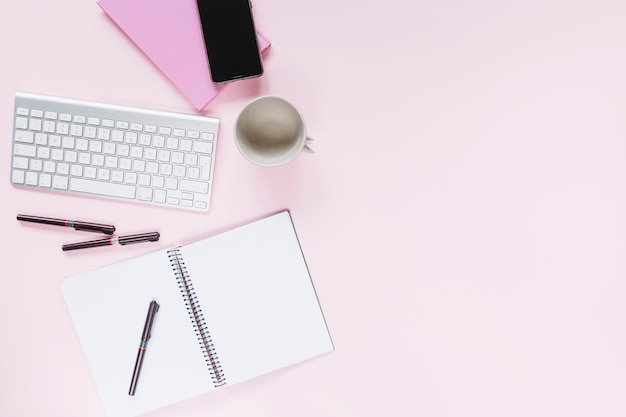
(43, 153)
(19, 162)
(102, 188)
(76, 171)
(84, 158)
(144, 193)
(21, 122)
(193, 173)
(76, 130)
(145, 139)
(63, 128)
(49, 166)
(54, 140)
(203, 147)
(18, 176)
(171, 183)
(125, 163)
(63, 168)
(180, 171)
(160, 196)
(24, 150)
(117, 136)
(34, 124)
(56, 154)
(97, 160)
(45, 180)
(166, 169)
(24, 136)
(90, 132)
(70, 156)
(178, 157)
(59, 182)
(68, 142)
(32, 178)
(205, 167)
(117, 176)
(130, 177)
(186, 145)
(144, 179)
(104, 133)
(90, 172)
(82, 144)
(104, 174)
(158, 141)
(158, 181)
(36, 165)
(194, 186)
(48, 126)
(41, 139)
(172, 143)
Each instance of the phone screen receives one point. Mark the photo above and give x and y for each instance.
(230, 39)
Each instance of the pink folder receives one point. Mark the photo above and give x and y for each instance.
(169, 34)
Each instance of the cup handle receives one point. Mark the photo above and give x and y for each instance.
(307, 148)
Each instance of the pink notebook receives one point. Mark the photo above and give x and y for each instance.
(169, 34)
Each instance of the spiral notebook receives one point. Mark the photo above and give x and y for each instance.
(232, 307)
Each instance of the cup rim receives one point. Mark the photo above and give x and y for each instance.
(270, 164)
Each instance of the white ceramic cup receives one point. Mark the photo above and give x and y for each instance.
(270, 131)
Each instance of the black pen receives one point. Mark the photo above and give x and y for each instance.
(76, 224)
(143, 344)
(122, 240)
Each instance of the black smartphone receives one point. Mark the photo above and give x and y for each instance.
(230, 39)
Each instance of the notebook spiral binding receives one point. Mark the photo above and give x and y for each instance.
(197, 318)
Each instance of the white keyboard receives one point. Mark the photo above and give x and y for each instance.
(146, 156)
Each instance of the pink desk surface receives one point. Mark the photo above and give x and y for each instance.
(464, 217)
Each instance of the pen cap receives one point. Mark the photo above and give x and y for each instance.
(143, 237)
(147, 328)
(93, 227)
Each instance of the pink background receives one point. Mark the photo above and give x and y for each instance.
(464, 217)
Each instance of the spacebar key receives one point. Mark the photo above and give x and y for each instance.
(102, 188)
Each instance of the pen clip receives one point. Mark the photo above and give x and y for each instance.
(152, 310)
(89, 227)
(142, 237)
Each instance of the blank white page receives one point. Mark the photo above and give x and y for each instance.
(257, 298)
(108, 307)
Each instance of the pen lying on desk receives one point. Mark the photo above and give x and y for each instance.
(122, 240)
(76, 224)
(143, 345)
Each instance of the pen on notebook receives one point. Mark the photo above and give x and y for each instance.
(122, 240)
(76, 224)
(143, 345)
